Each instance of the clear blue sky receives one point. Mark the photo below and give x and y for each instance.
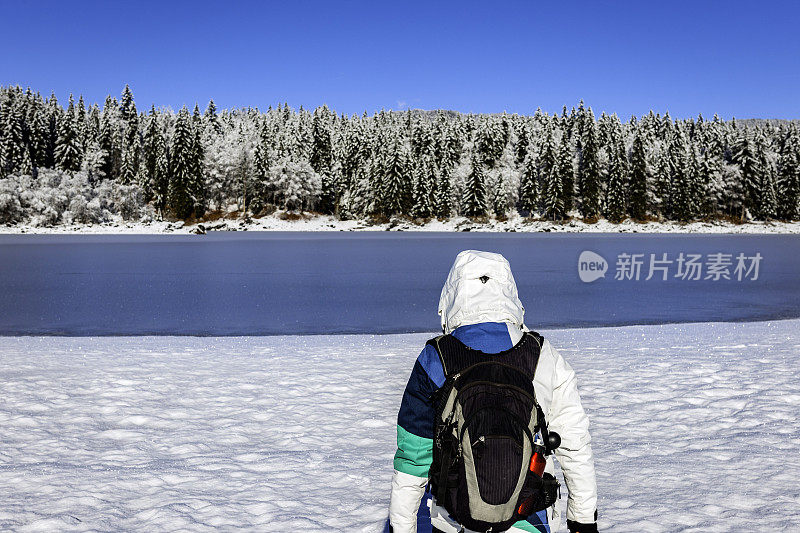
(734, 58)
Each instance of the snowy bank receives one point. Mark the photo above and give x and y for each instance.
(693, 426)
(283, 221)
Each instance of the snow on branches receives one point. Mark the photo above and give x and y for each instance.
(416, 164)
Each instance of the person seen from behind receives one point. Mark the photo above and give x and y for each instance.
(487, 406)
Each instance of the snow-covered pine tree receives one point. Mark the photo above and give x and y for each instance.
(582, 118)
(732, 197)
(264, 188)
(180, 200)
(443, 200)
(589, 184)
(396, 185)
(127, 108)
(745, 155)
(439, 128)
(322, 157)
(68, 150)
(81, 123)
(767, 198)
(700, 178)
(666, 126)
(111, 138)
(645, 127)
(38, 139)
(422, 141)
(682, 198)
(131, 144)
(490, 142)
(198, 186)
(210, 117)
(552, 188)
(714, 144)
(502, 183)
(93, 124)
(13, 151)
(523, 140)
(768, 206)
(130, 157)
(604, 129)
(153, 145)
(616, 192)
(424, 183)
(3, 119)
(370, 177)
(243, 167)
(473, 199)
(456, 136)
(27, 166)
(789, 179)
(661, 191)
(303, 135)
(53, 113)
(565, 122)
(637, 199)
(566, 173)
(287, 138)
(354, 152)
(505, 131)
(529, 186)
(27, 103)
(161, 179)
(217, 148)
(447, 139)
(553, 192)
(711, 174)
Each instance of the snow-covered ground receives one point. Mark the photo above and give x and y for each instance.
(695, 428)
(313, 222)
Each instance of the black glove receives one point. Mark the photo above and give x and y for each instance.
(577, 527)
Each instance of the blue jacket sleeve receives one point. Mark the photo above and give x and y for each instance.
(416, 417)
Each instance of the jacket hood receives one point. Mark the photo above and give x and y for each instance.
(479, 288)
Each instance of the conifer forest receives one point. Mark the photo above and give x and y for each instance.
(84, 163)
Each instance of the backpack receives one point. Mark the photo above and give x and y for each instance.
(490, 436)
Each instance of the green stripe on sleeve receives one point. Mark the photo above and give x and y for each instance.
(414, 454)
(524, 525)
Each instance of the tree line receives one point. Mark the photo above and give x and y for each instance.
(187, 164)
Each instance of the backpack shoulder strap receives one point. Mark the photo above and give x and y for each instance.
(540, 343)
(542, 422)
(539, 338)
(435, 343)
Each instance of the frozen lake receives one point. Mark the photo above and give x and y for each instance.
(388, 282)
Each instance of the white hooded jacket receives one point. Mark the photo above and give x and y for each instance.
(466, 299)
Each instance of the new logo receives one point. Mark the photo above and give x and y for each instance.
(591, 266)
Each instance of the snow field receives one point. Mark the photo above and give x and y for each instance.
(695, 428)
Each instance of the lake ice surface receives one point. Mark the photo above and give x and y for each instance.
(695, 427)
(322, 283)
